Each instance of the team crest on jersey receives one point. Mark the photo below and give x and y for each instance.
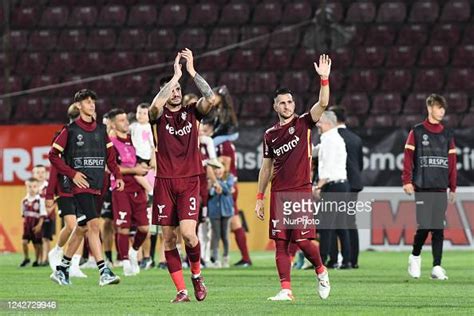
(184, 115)
(36, 206)
(291, 130)
(425, 141)
(80, 141)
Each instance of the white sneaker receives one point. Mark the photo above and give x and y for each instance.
(55, 256)
(133, 256)
(75, 271)
(89, 264)
(225, 262)
(127, 268)
(324, 287)
(414, 266)
(438, 273)
(214, 265)
(283, 295)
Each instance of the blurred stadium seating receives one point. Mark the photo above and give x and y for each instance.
(397, 53)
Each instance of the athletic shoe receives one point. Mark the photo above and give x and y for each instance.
(89, 264)
(414, 266)
(133, 256)
(200, 290)
(76, 272)
(162, 265)
(108, 277)
(438, 273)
(215, 163)
(324, 287)
(243, 264)
(60, 277)
(225, 262)
(54, 257)
(283, 295)
(127, 268)
(36, 264)
(24, 263)
(345, 266)
(146, 264)
(181, 297)
(214, 265)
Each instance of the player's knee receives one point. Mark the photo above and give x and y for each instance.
(189, 238)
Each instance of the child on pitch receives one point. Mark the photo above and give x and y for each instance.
(221, 210)
(142, 139)
(33, 211)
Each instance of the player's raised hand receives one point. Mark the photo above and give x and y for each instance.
(187, 54)
(324, 67)
(259, 209)
(80, 180)
(177, 66)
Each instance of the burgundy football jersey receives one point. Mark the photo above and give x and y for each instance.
(227, 149)
(177, 143)
(290, 148)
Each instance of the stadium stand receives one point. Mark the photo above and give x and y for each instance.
(384, 62)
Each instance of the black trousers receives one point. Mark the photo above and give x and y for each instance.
(353, 236)
(430, 217)
(334, 223)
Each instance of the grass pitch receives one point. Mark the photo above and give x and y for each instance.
(380, 286)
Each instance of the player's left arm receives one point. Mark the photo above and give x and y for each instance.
(323, 70)
(112, 164)
(205, 103)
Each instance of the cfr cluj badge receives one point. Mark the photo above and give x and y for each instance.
(80, 141)
(183, 116)
(291, 130)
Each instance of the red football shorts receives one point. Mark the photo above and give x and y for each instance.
(175, 200)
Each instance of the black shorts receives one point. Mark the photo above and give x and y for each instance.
(66, 206)
(140, 160)
(106, 209)
(49, 229)
(86, 204)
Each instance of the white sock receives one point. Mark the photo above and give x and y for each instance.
(195, 276)
(58, 248)
(75, 260)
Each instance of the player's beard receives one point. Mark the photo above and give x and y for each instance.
(287, 116)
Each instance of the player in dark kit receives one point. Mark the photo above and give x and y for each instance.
(176, 199)
(429, 169)
(287, 151)
(81, 152)
(131, 203)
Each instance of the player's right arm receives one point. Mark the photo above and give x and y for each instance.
(55, 152)
(408, 163)
(158, 103)
(264, 177)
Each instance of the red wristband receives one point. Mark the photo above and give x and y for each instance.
(260, 196)
(324, 82)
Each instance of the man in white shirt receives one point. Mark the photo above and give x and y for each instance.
(332, 186)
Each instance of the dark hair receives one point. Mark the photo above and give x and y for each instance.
(340, 113)
(143, 106)
(164, 80)
(39, 166)
(114, 112)
(227, 110)
(436, 98)
(84, 94)
(280, 91)
(32, 179)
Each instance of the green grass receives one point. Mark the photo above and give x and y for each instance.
(380, 286)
